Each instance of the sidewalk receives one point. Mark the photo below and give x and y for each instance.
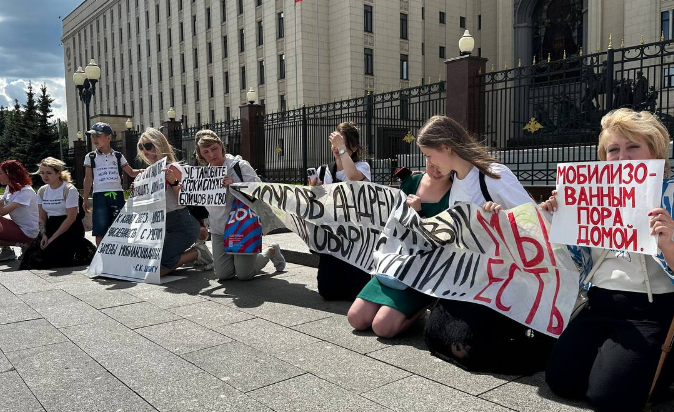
(70, 343)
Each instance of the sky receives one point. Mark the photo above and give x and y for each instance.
(31, 51)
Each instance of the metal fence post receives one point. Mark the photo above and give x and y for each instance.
(79, 152)
(369, 121)
(305, 143)
(608, 81)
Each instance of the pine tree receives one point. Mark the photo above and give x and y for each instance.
(12, 133)
(3, 116)
(45, 142)
(28, 142)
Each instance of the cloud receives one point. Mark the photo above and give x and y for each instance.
(13, 88)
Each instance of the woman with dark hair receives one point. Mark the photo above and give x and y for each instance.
(338, 280)
(474, 336)
(61, 242)
(19, 202)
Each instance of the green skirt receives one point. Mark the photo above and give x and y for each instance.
(407, 301)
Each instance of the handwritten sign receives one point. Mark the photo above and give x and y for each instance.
(132, 247)
(503, 260)
(606, 204)
(203, 185)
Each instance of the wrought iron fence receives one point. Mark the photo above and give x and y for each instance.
(388, 123)
(550, 112)
(229, 131)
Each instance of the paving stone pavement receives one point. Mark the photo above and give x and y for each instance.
(70, 343)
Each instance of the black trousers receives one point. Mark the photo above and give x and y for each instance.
(610, 351)
(338, 280)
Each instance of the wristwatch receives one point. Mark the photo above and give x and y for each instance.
(174, 183)
(342, 151)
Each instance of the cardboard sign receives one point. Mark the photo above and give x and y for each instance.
(503, 260)
(606, 204)
(132, 247)
(203, 186)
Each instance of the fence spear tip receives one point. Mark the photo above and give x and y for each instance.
(641, 41)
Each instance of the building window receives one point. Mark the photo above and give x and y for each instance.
(199, 118)
(161, 100)
(158, 43)
(210, 52)
(184, 94)
(223, 11)
(196, 90)
(171, 67)
(258, 3)
(147, 19)
(159, 70)
(228, 113)
(226, 82)
(281, 66)
(168, 8)
(261, 71)
(367, 22)
(194, 25)
(282, 102)
(423, 49)
(403, 26)
(173, 98)
(240, 6)
(442, 52)
(260, 38)
(150, 99)
(404, 69)
(479, 52)
(423, 13)
(212, 116)
(369, 62)
(224, 47)
(147, 44)
(181, 32)
(156, 13)
(664, 24)
(462, 22)
(170, 35)
(668, 77)
(242, 40)
(279, 25)
(182, 62)
(211, 87)
(196, 58)
(208, 18)
(442, 17)
(479, 22)
(243, 78)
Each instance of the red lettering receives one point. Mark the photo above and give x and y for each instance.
(569, 195)
(493, 223)
(499, 294)
(492, 279)
(582, 238)
(641, 167)
(521, 240)
(555, 314)
(537, 301)
(617, 218)
(629, 167)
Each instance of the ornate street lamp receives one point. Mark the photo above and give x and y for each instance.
(171, 114)
(466, 44)
(85, 82)
(79, 135)
(251, 96)
(129, 124)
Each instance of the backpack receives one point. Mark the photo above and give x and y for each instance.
(118, 155)
(483, 188)
(66, 189)
(333, 172)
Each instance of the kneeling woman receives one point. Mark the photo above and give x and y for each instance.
(19, 202)
(61, 242)
(182, 229)
(609, 352)
(386, 304)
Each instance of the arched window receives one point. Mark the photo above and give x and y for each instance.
(557, 27)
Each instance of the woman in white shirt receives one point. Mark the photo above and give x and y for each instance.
(338, 280)
(182, 229)
(61, 242)
(609, 352)
(19, 201)
(465, 333)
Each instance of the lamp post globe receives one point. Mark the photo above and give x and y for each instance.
(79, 77)
(79, 135)
(171, 114)
(251, 96)
(128, 124)
(93, 71)
(466, 44)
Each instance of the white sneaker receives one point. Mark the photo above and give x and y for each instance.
(278, 260)
(23, 247)
(7, 253)
(205, 258)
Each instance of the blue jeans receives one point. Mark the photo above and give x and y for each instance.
(106, 207)
(181, 231)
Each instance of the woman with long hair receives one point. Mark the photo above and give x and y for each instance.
(61, 242)
(182, 229)
(19, 201)
(211, 150)
(338, 280)
(465, 333)
(609, 352)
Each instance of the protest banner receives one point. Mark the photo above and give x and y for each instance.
(606, 204)
(203, 186)
(132, 247)
(503, 260)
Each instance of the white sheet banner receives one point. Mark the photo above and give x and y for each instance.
(503, 261)
(606, 204)
(132, 247)
(203, 186)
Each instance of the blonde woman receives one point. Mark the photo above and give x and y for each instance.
(61, 241)
(182, 229)
(211, 151)
(609, 352)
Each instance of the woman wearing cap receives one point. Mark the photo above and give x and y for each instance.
(19, 202)
(211, 151)
(61, 242)
(182, 229)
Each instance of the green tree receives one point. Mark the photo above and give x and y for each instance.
(11, 133)
(45, 139)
